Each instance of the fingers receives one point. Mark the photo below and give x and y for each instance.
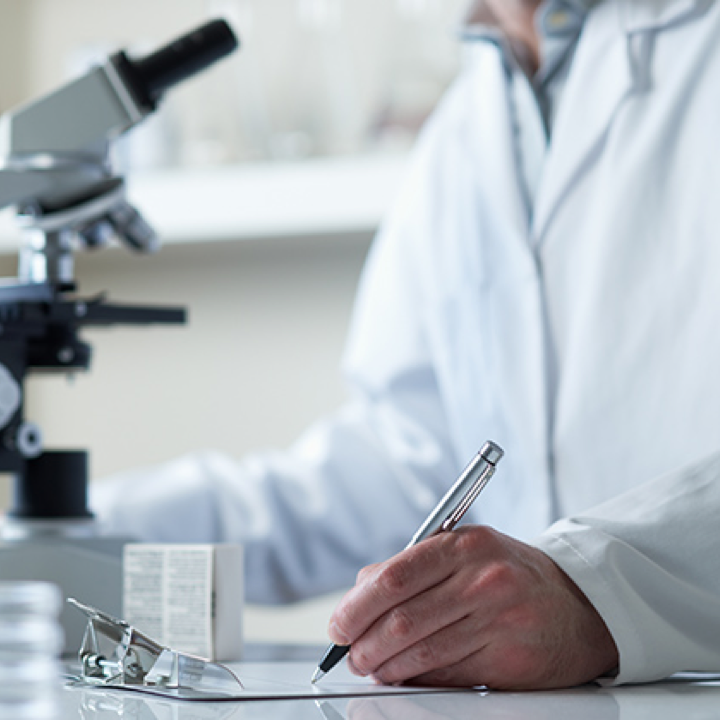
(463, 655)
(406, 630)
(438, 626)
(382, 587)
(400, 603)
(443, 656)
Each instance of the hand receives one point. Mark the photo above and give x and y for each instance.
(472, 607)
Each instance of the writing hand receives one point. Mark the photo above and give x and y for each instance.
(472, 607)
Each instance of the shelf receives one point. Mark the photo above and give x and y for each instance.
(315, 197)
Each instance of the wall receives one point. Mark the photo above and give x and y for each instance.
(14, 42)
(267, 319)
(257, 361)
(259, 358)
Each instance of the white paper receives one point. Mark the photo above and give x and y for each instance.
(288, 681)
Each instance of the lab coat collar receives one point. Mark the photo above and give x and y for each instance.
(621, 64)
(585, 113)
(480, 20)
(638, 15)
(642, 16)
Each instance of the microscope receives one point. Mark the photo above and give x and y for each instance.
(57, 173)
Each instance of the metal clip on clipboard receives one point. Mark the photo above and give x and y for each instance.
(115, 654)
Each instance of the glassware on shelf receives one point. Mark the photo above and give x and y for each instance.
(420, 9)
(322, 15)
(334, 77)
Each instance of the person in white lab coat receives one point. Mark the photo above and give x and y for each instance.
(549, 279)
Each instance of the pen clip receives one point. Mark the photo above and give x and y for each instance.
(468, 499)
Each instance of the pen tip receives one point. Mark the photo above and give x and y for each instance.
(317, 675)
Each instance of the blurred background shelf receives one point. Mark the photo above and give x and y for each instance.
(315, 197)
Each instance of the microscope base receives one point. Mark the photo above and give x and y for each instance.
(88, 569)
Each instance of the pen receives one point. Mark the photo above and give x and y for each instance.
(443, 518)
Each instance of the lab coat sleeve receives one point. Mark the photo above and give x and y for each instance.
(649, 561)
(356, 485)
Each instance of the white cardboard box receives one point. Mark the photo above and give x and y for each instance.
(186, 597)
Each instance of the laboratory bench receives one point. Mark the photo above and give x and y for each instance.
(689, 699)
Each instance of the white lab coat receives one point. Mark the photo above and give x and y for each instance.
(583, 338)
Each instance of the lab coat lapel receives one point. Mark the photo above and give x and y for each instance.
(611, 64)
(585, 113)
(495, 140)
(510, 307)
(643, 16)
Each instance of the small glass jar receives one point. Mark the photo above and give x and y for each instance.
(31, 641)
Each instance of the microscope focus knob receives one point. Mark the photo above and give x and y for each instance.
(29, 440)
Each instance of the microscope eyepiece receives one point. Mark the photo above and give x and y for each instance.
(151, 76)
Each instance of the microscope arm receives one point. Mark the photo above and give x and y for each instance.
(57, 146)
(55, 149)
(55, 170)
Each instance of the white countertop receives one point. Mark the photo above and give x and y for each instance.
(662, 701)
(258, 200)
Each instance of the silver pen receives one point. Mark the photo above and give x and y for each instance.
(443, 518)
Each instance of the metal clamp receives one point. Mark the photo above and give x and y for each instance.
(115, 654)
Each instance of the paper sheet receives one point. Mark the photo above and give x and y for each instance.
(286, 680)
